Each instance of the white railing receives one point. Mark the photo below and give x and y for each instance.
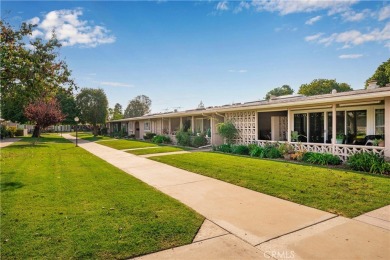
(342, 150)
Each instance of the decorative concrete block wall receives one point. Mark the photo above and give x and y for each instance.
(245, 122)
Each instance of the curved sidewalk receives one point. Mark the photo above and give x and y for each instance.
(268, 225)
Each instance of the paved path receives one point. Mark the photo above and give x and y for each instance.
(8, 141)
(254, 225)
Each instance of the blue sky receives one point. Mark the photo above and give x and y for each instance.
(181, 52)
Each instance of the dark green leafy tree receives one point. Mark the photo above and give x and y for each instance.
(228, 131)
(323, 86)
(29, 74)
(138, 106)
(93, 106)
(381, 75)
(68, 106)
(117, 112)
(281, 91)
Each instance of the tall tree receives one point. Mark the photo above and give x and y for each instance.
(29, 74)
(44, 113)
(138, 106)
(381, 75)
(281, 91)
(93, 105)
(323, 86)
(117, 112)
(68, 107)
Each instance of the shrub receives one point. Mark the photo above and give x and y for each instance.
(11, 131)
(286, 148)
(149, 136)
(272, 152)
(228, 131)
(161, 139)
(19, 132)
(321, 158)
(183, 138)
(199, 141)
(257, 151)
(368, 162)
(240, 149)
(4, 133)
(225, 148)
(132, 136)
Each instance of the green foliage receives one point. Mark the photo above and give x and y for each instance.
(381, 75)
(321, 158)
(68, 107)
(7, 131)
(28, 74)
(281, 91)
(228, 131)
(286, 148)
(257, 151)
(93, 105)
(19, 132)
(183, 138)
(161, 139)
(323, 86)
(240, 149)
(272, 152)
(368, 162)
(199, 140)
(149, 136)
(224, 148)
(138, 106)
(117, 112)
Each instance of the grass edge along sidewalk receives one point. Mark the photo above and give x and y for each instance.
(59, 201)
(341, 192)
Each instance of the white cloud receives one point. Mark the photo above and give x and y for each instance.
(238, 71)
(34, 20)
(115, 84)
(222, 6)
(313, 20)
(350, 56)
(352, 16)
(35, 34)
(288, 7)
(70, 30)
(313, 37)
(384, 13)
(243, 5)
(354, 37)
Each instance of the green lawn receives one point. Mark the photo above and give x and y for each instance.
(89, 137)
(121, 144)
(160, 149)
(337, 191)
(59, 201)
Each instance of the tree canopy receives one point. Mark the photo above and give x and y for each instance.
(29, 74)
(281, 91)
(381, 75)
(138, 106)
(117, 112)
(93, 105)
(43, 113)
(68, 106)
(323, 86)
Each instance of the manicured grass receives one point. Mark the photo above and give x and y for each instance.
(337, 191)
(90, 137)
(121, 144)
(59, 201)
(160, 149)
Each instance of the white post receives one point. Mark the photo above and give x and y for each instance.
(181, 123)
(289, 128)
(169, 127)
(334, 128)
(387, 128)
(193, 124)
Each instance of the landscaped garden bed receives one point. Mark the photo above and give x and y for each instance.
(59, 201)
(338, 191)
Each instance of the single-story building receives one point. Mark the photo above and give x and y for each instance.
(338, 123)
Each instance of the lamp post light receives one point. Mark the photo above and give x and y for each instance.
(76, 119)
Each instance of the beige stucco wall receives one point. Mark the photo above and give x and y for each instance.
(387, 128)
(216, 139)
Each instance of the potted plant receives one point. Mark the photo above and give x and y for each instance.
(294, 136)
(286, 149)
(378, 142)
(339, 138)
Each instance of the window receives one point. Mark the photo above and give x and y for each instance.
(380, 122)
(316, 127)
(340, 124)
(147, 126)
(300, 126)
(356, 126)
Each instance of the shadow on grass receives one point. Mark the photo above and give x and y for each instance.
(21, 146)
(10, 186)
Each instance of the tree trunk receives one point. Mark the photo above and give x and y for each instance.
(95, 130)
(37, 132)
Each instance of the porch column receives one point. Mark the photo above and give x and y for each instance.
(387, 128)
(289, 122)
(333, 128)
(211, 130)
(169, 126)
(193, 124)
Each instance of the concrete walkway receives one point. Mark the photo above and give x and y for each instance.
(254, 225)
(8, 141)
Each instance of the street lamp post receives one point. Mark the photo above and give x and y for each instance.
(76, 119)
